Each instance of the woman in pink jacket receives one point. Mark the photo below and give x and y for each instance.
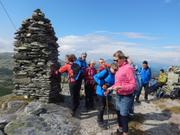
(124, 86)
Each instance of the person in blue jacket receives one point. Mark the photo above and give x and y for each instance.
(145, 74)
(104, 80)
(81, 61)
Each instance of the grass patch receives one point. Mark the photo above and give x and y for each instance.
(162, 105)
(5, 99)
(5, 91)
(174, 109)
(134, 125)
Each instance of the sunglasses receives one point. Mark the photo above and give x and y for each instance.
(115, 60)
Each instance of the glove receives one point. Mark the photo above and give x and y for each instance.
(104, 86)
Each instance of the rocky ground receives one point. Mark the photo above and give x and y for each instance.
(159, 117)
(24, 117)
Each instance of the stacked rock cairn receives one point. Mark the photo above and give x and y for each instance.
(174, 77)
(36, 59)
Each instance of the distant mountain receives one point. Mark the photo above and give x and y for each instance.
(6, 60)
(155, 67)
(6, 66)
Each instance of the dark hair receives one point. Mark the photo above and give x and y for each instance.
(162, 70)
(145, 62)
(119, 54)
(72, 58)
(114, 66)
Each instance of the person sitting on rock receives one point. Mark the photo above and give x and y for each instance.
(162, 78)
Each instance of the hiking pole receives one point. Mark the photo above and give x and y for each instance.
(107, 110)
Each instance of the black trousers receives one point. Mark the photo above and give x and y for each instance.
(122, 121)
(101, 107)
(89, 98)
(145, 86)
(75, 94)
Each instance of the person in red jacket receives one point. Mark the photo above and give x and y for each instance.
(103, 64)
(90, 85)
(74, 85)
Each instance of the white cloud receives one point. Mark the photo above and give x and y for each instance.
(104, 46)
(97, 45)
(175, 47)
(6, 45)
(131, 35)
(136, 35)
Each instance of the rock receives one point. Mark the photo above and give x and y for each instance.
(36, 57)
(3, 123)
(35, 108)
(173, 78)
(1, 133)
(43, 119)
(15, 105)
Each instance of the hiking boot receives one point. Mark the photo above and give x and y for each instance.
(131, 116)
(102, 125)
(147, 101)
(119, 131)
(137, 100)
(73, 113)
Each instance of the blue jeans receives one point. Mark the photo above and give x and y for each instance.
(123, 104)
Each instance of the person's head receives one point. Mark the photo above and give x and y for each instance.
(101, 61)
(83, 56)
(113, 68)
(170, 69)
(145, 64)
(119, 57)
(92, 63)
(161, 71)
(71, 58)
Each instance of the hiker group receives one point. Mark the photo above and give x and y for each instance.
(122, 78)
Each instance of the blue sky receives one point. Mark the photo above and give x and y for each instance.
(143, 29)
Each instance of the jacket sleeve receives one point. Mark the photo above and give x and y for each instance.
(63, 69)
(99, 77)
(149, 74)
(130, 85)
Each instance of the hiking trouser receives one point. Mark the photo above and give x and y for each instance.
(89, 98)
(145, 86)
(123, 106)
(101, 107)
(75, 94)
(131, 108)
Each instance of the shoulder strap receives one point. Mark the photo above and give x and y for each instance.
(107, 73)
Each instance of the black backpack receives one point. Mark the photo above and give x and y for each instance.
(76, 71)
(175, 93)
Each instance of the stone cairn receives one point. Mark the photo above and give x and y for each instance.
(36, 59)
(174, 77)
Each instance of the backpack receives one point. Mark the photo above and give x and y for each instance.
(76, 71)
(175, 93)
(106, 74)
